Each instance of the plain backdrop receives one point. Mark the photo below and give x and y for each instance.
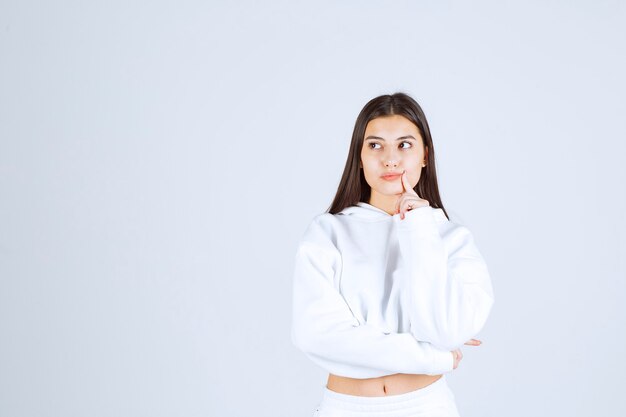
(159, 162)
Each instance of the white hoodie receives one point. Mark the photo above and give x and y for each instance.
(374, 294)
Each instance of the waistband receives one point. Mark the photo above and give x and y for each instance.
(417, 398)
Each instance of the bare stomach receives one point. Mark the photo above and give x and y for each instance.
(379, 387)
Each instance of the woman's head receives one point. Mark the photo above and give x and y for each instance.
(390, 135)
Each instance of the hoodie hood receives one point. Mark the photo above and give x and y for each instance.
(365, 211)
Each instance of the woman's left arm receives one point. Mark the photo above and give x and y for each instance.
(450, 289)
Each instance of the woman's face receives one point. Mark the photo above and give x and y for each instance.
(391, 145)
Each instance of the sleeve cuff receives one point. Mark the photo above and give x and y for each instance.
(443, 362)
(416, 219)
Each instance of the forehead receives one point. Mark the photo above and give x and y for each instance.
(392, 126)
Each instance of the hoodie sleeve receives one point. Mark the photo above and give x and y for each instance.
(450, 289)
(324, 328)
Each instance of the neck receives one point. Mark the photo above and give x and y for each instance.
(384, 202)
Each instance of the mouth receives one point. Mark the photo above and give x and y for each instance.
(390, 177)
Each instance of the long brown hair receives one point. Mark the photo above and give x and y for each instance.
(353, 187)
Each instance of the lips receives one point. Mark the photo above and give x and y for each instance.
(391, 175)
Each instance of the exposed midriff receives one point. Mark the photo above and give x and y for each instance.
(381, 386)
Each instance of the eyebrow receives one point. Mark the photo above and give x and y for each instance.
(400, 138)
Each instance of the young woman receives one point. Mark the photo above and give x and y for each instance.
(386, 288)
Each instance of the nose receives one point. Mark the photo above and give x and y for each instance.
(391, 158)
(391, 163)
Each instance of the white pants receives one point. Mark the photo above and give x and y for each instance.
(434, 400)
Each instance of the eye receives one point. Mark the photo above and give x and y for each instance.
(408, 143)
(372, 143)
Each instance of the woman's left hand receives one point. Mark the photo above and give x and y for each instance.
(409, 199)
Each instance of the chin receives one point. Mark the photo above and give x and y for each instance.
(390, 189)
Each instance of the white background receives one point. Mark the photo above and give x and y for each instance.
(160, 160)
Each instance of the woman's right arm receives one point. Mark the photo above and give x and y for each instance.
(324, 328)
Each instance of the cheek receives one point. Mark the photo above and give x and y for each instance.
(415, 160)
(369, 172)
(368, 165)
(415, 170)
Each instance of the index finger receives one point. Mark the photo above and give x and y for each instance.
(405, 181)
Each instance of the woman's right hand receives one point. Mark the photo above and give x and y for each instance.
(458, 355)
